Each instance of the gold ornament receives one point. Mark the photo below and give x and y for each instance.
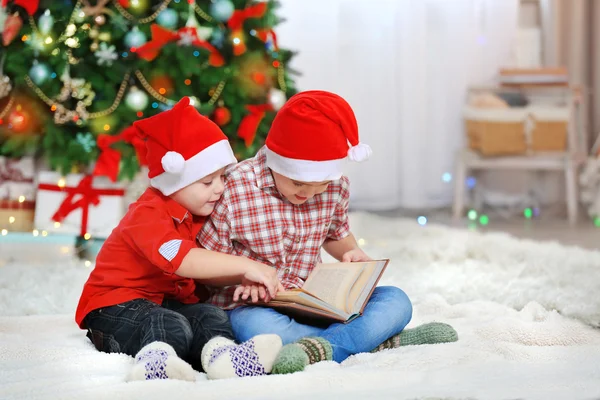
(94, 33)
(94, 46)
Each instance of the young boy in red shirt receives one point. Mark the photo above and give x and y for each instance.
(285, 205)
(143, 297)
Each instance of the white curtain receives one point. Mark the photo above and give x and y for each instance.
(404, 66)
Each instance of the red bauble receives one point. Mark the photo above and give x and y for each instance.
(221, 116)
(12, 26)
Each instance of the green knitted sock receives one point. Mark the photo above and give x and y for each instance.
(432, 333)
(296, 356)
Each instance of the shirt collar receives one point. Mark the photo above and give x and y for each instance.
(264, 178)
(178, 212)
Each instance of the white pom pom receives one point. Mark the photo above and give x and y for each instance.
(173, 162)
(360, 152)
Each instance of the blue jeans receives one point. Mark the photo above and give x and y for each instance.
(389, 310)
(127, 327)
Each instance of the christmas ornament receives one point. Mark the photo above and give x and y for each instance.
(222, 10)
(201, 32)
(138, 6)
(168, 18)
(46, 22)
(100, 19)
(12, 26)
(252, 68)
(136, 99)
(106, 54)
(5, 86)
(86, 140)
(17, 120)
(277, 98)
(162, 84)
(135, 38)
(103, 124)
(249, 124)
(238, 38)
(217, 38)
(39, 73)
(221, 116)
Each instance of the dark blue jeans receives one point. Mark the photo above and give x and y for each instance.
(127, 327)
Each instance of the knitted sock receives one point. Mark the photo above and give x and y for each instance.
(296, 356)
(431, 333)
(222, 358)
(158, 360)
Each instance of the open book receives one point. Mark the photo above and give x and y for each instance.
(336, 292)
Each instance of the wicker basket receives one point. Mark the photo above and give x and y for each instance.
(516, 131)
(496, 132)
(549, 128)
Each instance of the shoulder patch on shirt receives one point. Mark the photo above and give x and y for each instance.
(170, 249)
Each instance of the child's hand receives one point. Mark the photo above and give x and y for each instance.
(252, 291)
(263, 275)
(355, 255)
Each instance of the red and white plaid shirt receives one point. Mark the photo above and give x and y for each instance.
(254, 220)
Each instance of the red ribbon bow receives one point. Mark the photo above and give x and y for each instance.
(89, 196)
(249, 124)
(109, 158)
(30, 6)
(162, 36)
(263, 34)
(240, 16)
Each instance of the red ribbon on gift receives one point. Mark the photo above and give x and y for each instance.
(162, 36)
(249, 124)
(30, 6)
(89, 196)
(240, 16)
(109, 159)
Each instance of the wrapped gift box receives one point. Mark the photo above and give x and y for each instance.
(17, 194)
(78, 204)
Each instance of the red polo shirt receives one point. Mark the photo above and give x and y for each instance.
(139, 258)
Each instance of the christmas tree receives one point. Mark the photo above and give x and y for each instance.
(74, 75)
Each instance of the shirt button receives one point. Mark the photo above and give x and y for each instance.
(297, 239)
(286, 272)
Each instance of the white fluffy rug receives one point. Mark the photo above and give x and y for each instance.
(524, 313)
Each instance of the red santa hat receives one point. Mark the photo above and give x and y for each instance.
(311, 137)
(183, 147)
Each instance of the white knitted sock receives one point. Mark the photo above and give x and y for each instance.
(158, 360)
(222, 358)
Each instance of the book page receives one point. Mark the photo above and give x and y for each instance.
(363, 285)
(332, 282)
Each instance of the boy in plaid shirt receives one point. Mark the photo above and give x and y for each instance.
(281, 208)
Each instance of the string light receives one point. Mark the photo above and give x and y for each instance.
(471, 182)
(484, 220)
(472, 215)
(528, 213)
(4, 232)
(361, 242)
(21, 199)
(35, 232)
(44, 233)
(11, 220)
(106, 127)
(61, 183)
(87, 236)
(447, 177)
(88, 263)
(57, 225)
(276, 64)
(140, 114)
(597, 221)
(188, 82)
(422, 220)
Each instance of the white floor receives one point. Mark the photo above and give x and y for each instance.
(523, 310)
